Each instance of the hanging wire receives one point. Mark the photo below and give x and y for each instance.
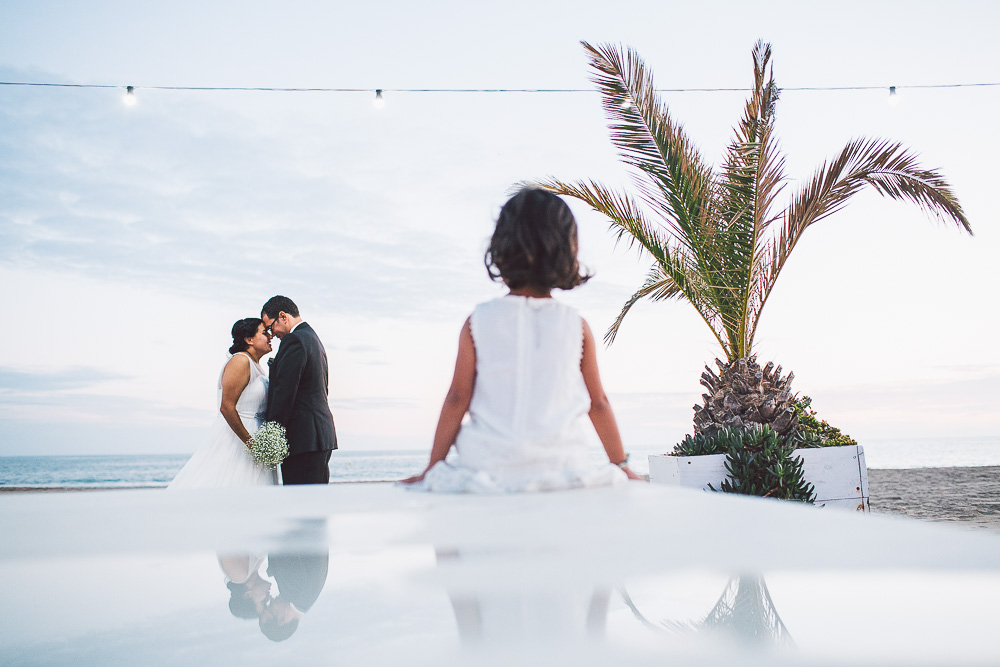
(480, 90)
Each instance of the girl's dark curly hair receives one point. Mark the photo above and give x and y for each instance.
(534, 243)
(243, 329)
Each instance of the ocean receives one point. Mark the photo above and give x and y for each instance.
(156, 470)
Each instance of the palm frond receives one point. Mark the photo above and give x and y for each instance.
(714, 237)
(650, 141)
(751, 178)
(743, 160)
(753, 171)
(658, 287)
(887, 167)
(628, 221)
(674, 279)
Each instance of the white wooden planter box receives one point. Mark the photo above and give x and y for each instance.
(838, 473)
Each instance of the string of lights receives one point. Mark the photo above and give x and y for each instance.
(477, 90)
(380, 100)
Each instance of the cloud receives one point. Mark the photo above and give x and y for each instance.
(928, 408)
(192, 197)
(79, 408)
(74, 396)
(79, 377)
(192, 193)
(62, 422)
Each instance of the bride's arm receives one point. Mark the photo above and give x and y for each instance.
(235, 379)
(456, 403)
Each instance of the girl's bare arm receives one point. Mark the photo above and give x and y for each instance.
(601, 414)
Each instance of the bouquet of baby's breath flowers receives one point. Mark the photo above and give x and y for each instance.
(269, 446)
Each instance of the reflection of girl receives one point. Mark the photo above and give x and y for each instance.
(224, 461)
(526, 370)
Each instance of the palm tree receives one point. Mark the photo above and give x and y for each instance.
(716, 237)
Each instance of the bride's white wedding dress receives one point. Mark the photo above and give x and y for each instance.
(224, 460)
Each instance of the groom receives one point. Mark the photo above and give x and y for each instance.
(298, 394)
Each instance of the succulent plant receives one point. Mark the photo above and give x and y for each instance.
(759, 461)
(762, 465)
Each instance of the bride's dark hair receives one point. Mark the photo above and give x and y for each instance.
(243, 329)
(240, 605)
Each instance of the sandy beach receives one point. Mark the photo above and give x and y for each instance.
(969, 496)
(964, 495)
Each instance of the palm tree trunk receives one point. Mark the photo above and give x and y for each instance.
(743, 394)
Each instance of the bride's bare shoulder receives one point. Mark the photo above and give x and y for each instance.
(238, 360)
(238, 364)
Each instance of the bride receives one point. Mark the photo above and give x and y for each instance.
(224, 460)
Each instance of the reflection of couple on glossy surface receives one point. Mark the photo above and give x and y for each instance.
(299, 577)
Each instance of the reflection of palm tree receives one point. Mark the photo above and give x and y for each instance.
(744, 613)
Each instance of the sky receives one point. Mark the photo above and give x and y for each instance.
(132, 237)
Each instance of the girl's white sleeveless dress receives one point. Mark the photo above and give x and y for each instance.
(224, 461)
(528, 428)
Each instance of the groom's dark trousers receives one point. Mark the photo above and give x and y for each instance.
(298, 399)
(308, 468)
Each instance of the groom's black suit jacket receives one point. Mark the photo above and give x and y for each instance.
(300, 577)
(298, 392)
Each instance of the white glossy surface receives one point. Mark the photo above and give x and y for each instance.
(130, 577)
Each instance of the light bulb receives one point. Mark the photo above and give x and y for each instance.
(379, 101)
(130, 95)
(893, 96)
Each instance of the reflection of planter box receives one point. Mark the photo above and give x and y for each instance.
(838, 473)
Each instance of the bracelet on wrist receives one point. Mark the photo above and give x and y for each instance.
(623, 464)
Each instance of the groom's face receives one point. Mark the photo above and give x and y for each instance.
(278, 326)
